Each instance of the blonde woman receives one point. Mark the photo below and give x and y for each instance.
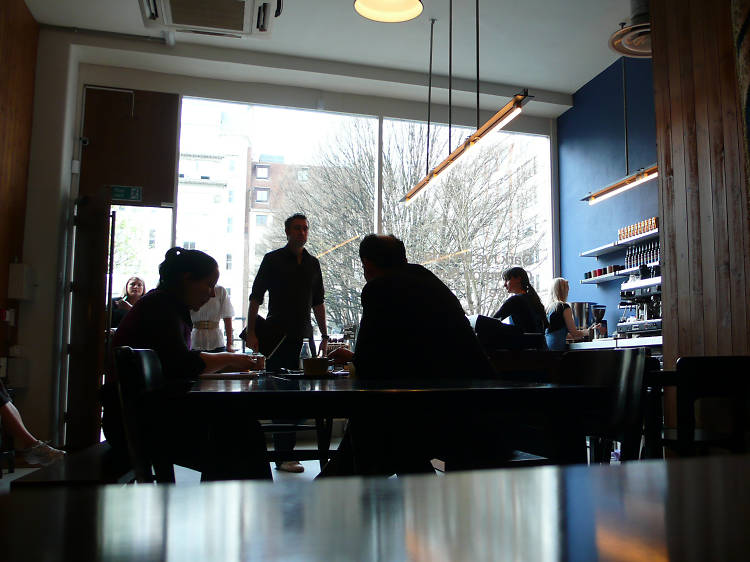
(560, 317)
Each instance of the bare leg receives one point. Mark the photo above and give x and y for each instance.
(13, 424)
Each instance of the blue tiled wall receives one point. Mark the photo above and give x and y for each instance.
(591, 144)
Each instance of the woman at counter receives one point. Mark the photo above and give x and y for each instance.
(224, 444)
(560, 317)
(523, 306)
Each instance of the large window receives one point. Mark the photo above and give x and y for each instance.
(490, 212)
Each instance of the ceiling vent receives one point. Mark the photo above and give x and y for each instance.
(634, 40)
(223, 18)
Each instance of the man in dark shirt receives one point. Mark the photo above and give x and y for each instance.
(294, 283)
(412, 326)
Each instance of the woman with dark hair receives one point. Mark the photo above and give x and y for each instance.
(223, 444)
(523, 306)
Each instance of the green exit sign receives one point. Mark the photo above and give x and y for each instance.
(127, 193)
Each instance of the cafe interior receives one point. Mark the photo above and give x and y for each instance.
(630, 444)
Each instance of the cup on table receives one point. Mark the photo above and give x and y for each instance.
(260, 361)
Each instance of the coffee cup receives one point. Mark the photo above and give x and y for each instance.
(315, 366)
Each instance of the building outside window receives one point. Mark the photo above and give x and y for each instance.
(229, 262)
(261, 220)
(229, 225)
(303, 174)
(262, 172)
(188, 245)
(152, 238)
(261, 194)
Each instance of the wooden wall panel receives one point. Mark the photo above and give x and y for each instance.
(705, 226)
(18, 43)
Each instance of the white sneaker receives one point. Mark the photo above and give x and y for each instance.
(41, 453)
(291, 466)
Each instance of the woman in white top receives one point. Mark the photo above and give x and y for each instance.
(206, 335)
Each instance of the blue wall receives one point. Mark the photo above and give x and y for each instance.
(591, 145)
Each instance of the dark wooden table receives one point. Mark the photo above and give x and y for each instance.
(695, 509)
(271, 396)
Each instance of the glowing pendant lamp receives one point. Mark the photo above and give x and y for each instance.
(390, 11)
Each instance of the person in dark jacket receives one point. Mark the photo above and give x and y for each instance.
(411, 324)
(523, 306)
(224, 444)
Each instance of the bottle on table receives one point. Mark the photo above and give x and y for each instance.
(304, 353)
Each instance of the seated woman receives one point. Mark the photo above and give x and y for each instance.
(32, 450)
(523, 306)
(224, 443)
(560, 317)
(134, 289)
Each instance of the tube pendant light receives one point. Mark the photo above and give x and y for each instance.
(509, 112)
(389, 11)
(620, 186)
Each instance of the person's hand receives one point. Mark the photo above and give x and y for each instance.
(341, 354)
(230, 348)
(324, 348)
(251, 340)
(243, 362)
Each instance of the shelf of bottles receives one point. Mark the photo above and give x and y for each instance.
(641, 248)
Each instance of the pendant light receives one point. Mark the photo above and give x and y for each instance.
(389, 11)
(630, 180)
(509, 112)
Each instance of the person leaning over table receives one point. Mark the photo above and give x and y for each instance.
(560, 318)
(206, 335)
(294, 283)
(225, 443)
(434, 340)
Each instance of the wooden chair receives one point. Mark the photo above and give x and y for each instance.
(141, 386)
(726, 377)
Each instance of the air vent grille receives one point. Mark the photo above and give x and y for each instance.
(220, 14)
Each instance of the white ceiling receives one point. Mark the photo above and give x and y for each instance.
(552, 45)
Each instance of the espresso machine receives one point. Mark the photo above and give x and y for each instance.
(640, 301)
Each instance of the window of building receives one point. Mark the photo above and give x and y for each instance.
(303, 174)
(262, 194)
(261, 220)
(262, 172)
(230, 196)
(217, 198)
(188, 245)
(229, 225)
(229, 262)
(152, 238)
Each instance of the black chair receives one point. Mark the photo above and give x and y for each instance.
(141, 387)
(726, 377)
(620, 417)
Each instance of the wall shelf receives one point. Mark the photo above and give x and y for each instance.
(613, 247)
(616, 275)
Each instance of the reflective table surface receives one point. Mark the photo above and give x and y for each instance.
(697, 509)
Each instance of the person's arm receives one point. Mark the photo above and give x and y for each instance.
(233, 361)
(571, 325)
(320, 318)
(260, 286)
(505, 310)
(229, 334)
(251, 339)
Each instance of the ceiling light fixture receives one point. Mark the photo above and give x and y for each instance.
(389, 11)
(634, 40)
(509, 112)
(620, 186)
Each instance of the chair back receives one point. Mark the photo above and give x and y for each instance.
(622, 371)
(713, 376)
(141, 387)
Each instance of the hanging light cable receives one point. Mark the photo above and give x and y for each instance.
(497, 121)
